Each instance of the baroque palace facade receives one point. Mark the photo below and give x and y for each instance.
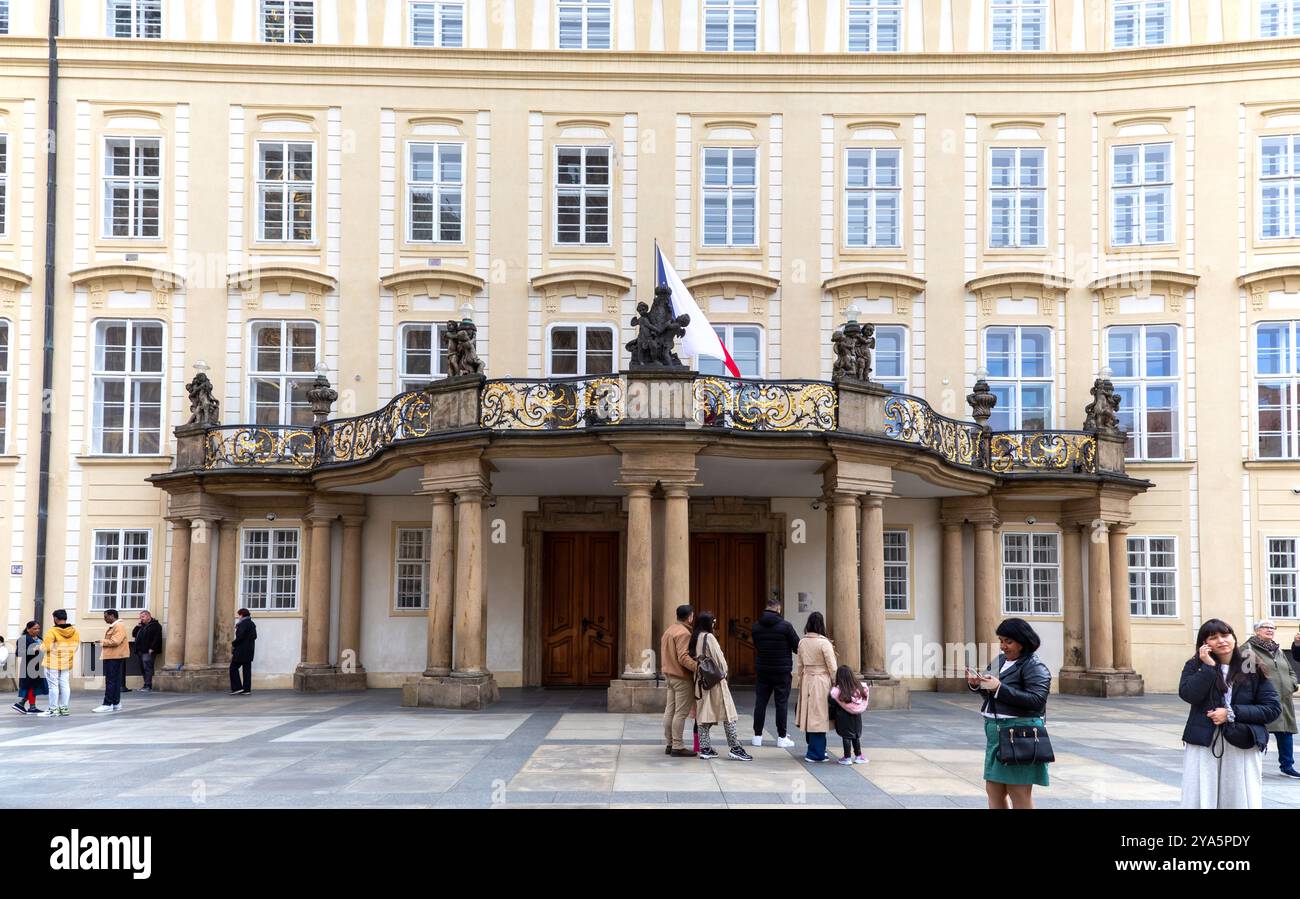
(295, 198)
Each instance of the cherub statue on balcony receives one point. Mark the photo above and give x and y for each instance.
(657, 331)
(204, 408)
(642, 348)
(1102, 414)
(866, 340)
(462, 359)
(845, 348)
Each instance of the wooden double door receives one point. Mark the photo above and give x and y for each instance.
(580, 602)
(728, 578)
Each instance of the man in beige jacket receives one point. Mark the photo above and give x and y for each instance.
(117, 648)
(679, 669)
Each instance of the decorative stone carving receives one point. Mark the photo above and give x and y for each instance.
(462, 357)
(321, 396)
(657, 332)
(853, 345)
(982, 401)
(204, 408)
(1102, 413)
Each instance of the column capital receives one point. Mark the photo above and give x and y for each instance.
(872, 501)
(354, 521)
(842, 498)
(439, 496)
(470, 494)
(636, 488)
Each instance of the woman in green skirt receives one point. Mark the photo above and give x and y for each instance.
(1014, 688)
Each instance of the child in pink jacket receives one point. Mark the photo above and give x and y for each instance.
(849, 699)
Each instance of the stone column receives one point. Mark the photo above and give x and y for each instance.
(1121, 611)
(1100, 638)
(227, 599)
(198, 620)
(442, 574)
(872, 573)
(1072, 599)
(954, 602)
(845, 620)
(317, 619)
(178, 593)
(470, 649)
(677, 551)
(350, 596)
(636, 625)
(986, 584)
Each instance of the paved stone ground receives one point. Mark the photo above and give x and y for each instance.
(556, 748)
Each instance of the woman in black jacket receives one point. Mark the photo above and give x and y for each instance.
(1224, 739)
(1014, 688)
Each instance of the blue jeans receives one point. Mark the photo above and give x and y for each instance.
(1285, 752)
(817, 746)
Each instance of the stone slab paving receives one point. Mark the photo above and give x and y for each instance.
(557, 749)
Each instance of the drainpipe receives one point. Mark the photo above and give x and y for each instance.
(47, 354)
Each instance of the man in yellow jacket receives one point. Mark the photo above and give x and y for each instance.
(117, 647)
(60, 648)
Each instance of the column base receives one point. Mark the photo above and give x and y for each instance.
(477, 692)
(888, 692)
(198, 679)
(327, 680)
(636, 696)
(1104, 684)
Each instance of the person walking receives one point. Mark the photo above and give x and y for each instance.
(817, 665)
(850, 697)
(31, 674)
(116, 652)
(148, 644)
(1272, 662)
(1225, 736)
(1014, 688)
(714, 705)
(775, 642)
(679, 671)
(60, 646)
(241, 654)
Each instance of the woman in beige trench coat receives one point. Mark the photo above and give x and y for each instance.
(817, 667)
(714, 706)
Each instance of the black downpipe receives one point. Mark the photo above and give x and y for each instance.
(47, 354)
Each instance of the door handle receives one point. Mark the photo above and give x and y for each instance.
(586, 625)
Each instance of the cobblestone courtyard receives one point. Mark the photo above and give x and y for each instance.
(556, 748)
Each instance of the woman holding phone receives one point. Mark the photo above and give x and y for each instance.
(1014, 688)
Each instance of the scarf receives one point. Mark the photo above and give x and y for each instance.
(1268, 646)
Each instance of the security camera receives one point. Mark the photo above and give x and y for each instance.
(270, 516)
(1031, 520)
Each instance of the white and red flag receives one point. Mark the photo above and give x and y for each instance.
(700, 338)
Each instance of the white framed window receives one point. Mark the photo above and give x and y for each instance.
(1277, 389)
(135, 18)
(873, 196)
(120, 570)
(1017, 197)
(435, 192)
(730, 26)
(874, 26)
(1018, 25)
(268, 569)
(423, 354)
(1279, 18)
(281, 368)
(411, 569)
(1283, 573)
(5, 335)
(438, 23)
(898, 596)
(128, 387)
(1030, 574)
(582, 196)
(583, 24)
(1153, 577)
(730, 197)
(132, 188)
(289, 22)
(1145, 369)
(286, 191)
(891, 357)
(4, 16)
(4, 183)
(1141, 194)
(1019, 362)
(1141, 23)
(745, 343)
(1279, 186)
(580, 349)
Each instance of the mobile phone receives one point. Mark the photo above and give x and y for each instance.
(971, 672)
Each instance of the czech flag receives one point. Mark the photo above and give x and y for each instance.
(700, 339)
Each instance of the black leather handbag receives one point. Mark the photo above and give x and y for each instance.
(1020, 744)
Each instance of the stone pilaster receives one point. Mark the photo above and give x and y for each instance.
(350, 591)
(178, 594)
(442, 572)
(1121, 610)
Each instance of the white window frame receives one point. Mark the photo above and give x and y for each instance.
(438, 9)
(1288, 380)
(4, 16)
(727, 333)
(583, 328)
(291, 10)
(286, 186)
(130, 378)
(1141, 380)
(895, 565)
(101, 568)
(1287, 19)
(1289, 184)
(583, 10)
(438, 188)
(865, 16)
(1143, 11)
(1018, 12)
(1032, 567)
(726, 12)
(583, 190)
(730, 190)
(905, 355)
(1140, 570)
(1018, 192)
(247, 564)
(1277, 576)
(1017, 380)
(4, 184)
(6, 357)
(136, 185)
(422, 567)
(872, 190)
(408, 381)
(137, 20)
(286, 376)
(1141, 189)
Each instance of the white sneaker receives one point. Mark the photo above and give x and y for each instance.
(757, 741)
(784, 742)
(118, 707)
(102, 708)
(51, 712)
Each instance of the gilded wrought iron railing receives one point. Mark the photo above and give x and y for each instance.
(912, 420)
(404, 417)
(765, 405)
(552, 405)
(1050, 452)
(259, 446)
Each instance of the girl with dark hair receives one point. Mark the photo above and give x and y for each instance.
(816, 664)
(1225, 736)
(714, 705)
(31, 677)
(850, 696)
(1014, 688)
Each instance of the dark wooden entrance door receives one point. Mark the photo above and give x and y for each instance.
(579, 609)
(728, 574)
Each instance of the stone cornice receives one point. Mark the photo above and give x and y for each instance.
(284, 276)
(1140, 281)
(733, 282)
(433, 281)
(894, 278)
(1285, 277)
(126, 274)
(1018, 279)
(586, 280)
(14, 279)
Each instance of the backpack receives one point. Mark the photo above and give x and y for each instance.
(707, 673)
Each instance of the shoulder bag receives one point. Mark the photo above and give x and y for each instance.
(707, 673)
(1022, 744)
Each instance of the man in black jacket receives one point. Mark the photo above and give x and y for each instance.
(241, 654)
(775, 642)
(148, 643)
